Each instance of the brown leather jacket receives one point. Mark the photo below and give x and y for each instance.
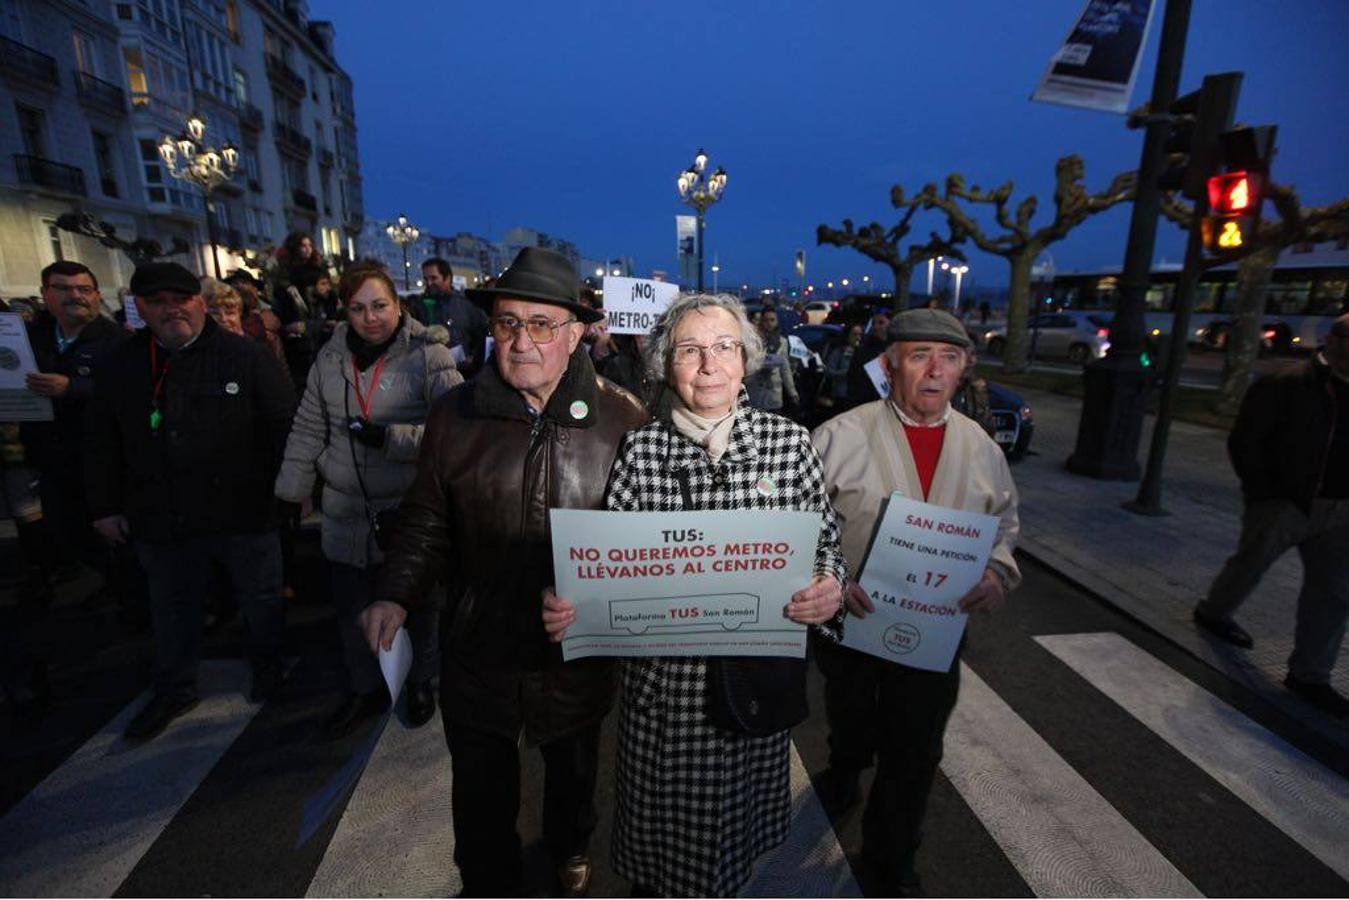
(476, 518)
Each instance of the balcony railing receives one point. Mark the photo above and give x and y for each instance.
(291, 139)
(49, 174)
(284, 77)
(250, 117)
(97, 92)
(304, 200)
(22, 61)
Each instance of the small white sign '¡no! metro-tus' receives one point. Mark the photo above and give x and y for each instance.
(632, 305)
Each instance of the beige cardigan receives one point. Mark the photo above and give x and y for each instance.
(866, 456)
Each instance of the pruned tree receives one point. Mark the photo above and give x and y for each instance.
(1019, 243)
(1295, 224)
(883, 245)
(139, 251)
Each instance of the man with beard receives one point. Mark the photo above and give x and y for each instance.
(69, 338)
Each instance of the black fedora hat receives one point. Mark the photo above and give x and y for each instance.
(539, 275)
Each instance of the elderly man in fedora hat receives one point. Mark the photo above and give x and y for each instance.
(536, 430)
(913, 442)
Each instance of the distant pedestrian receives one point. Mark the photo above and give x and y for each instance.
(186, 428)
(442, 304)
(1290, 448)
(772, 387)
(837, 361)
(861, 389)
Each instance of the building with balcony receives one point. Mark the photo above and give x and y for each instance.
(88, 90)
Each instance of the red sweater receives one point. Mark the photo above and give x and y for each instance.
(926, 446)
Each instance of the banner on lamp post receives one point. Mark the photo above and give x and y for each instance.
(686, 247)
(1097, 65)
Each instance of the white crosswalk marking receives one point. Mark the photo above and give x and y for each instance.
(395, 838)
(83, 829)
(810, 863)
(1062, 836)
(1302, 798)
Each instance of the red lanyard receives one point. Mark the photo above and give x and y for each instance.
(361, 400)
(156, 415)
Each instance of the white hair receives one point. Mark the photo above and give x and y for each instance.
(660, 347)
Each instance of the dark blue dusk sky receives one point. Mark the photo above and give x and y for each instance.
(574, 118)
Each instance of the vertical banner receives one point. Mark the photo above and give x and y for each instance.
(686, 247)
(800, 264)
(1098, 63)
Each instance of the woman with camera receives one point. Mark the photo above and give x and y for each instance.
(359, 426)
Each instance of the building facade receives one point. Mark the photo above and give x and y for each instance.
(89, 89)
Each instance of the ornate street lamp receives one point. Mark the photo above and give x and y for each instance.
(403, 233)
(189, 159)
(700, 190)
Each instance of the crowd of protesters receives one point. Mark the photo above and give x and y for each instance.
(183, 457)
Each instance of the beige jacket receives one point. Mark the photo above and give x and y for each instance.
(866, 456)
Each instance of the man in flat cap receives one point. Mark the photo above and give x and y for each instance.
(913, 442)
(536, 430)
(187, 426)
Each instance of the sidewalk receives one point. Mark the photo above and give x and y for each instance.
(1156, 569)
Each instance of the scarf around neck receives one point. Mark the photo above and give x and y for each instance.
(713, 435)
(365, 353)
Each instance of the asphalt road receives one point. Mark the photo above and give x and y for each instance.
(1087, 756)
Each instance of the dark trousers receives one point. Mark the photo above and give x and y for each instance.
(353, 591)
(178, 574)
(895, 716)
(486, 803)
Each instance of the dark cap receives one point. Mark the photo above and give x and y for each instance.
(927, 325)
(150, 278)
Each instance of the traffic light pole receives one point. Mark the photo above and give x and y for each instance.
(1116, 387)
(1217, 104)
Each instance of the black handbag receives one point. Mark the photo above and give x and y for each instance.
(755, 696)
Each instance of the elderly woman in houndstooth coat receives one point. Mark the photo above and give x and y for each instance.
(698, 803)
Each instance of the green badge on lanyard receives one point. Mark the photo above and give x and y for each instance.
(155, 418)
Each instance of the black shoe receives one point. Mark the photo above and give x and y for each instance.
(354, 712)
(157, 714)
(268, 676)
(421, 703)
(1224, 629)
(1322, 696)
(839, 789)
(573, 876)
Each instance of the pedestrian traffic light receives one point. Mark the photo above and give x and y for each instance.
(1236, 195)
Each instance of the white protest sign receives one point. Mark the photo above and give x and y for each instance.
(632, 305)
(17, 403)
(683, 583)
(876, 373)
(396, 662)
(133, 313)
(923, 560)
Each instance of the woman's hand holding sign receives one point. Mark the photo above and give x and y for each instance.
(558, 614)
(859, 604)
(816, 603)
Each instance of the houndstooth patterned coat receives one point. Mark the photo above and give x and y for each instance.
(697, 805)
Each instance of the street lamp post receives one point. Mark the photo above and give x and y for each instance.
(403, 233)
(188, 158)
(931, 264)
(700, 190)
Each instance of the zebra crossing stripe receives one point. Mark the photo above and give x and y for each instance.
(811, 862)
(83, 829)
(1063, 837)
(395, 837)
(1296, 794)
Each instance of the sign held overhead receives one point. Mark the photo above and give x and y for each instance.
(632, 305)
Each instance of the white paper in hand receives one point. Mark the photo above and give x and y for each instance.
(396, 662)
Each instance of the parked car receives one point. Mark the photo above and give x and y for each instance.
(1057, 336)
(818, 336)
(1013, 420)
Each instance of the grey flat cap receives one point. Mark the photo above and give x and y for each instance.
(927, 325)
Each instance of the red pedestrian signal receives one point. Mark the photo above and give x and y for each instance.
(1234, 194)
